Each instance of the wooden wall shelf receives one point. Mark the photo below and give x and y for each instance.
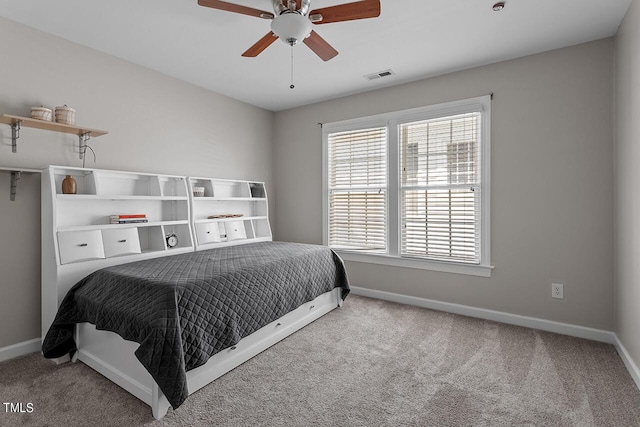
(16, 122)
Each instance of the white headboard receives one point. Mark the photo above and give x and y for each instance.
(155, 215)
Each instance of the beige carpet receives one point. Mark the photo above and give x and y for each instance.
(371, 363)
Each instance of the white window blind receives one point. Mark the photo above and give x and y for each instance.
(440, 188)
(357, 173)
(411, 188)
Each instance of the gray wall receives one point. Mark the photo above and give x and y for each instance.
(155, 124)
(552, 181)
(552, 177)
(627, 181)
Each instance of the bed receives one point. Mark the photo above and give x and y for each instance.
(164, 327)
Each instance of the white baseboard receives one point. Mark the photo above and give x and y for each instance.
(628, 361)
(512, 319)
(20, 349)
(497, 316)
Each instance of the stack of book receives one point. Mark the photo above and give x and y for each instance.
(128, 219)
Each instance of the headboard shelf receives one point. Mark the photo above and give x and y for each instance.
(223, 197)
(78, 236)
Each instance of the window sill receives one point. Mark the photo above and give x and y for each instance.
(445, 267)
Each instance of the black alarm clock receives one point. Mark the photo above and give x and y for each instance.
(172, 240)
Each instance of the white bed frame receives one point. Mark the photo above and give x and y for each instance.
(168, 201)
(113, 357)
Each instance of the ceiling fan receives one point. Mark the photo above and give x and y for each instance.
(292, 21)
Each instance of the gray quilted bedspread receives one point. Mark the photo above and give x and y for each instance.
(182, 309)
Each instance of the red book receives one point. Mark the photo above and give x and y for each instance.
(131, 216)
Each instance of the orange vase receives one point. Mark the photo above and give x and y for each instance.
(69, 185)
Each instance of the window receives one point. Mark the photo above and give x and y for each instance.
(411, 188)
(440, 188)
(358, 189)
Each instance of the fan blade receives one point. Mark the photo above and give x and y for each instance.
(232, 7)
(320, 46)
(260, 45)
(348, 12)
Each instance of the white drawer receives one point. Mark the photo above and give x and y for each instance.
(207, 232)
(120, 241)
(80, 245)
(235, 230)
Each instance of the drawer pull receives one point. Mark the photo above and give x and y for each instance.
(279, 324)
(208, 232)
(122, 241)
(312, 307)
(83, 244)
(233, 348)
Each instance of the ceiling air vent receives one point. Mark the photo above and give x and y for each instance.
(379, 74)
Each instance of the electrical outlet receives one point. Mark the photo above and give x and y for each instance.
(557, 290)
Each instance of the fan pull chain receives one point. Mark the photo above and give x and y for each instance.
(292, 85)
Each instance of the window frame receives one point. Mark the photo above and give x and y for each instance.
(392, 120)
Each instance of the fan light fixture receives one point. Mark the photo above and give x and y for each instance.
(293, 19)
(292, 28)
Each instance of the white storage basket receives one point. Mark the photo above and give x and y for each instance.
(66, 115)
(41, 113)
(198, 191)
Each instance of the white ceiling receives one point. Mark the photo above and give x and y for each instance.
(414, 38)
